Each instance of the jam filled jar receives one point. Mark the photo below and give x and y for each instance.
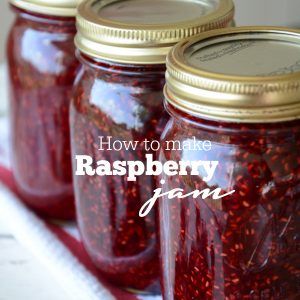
(230, 230)
(118, 96)
(42, 68)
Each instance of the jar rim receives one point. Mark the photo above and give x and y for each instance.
(119, 68)
(109, 36)
(59, 8)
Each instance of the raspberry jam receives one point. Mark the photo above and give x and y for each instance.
(122, 245)
(245, 245)
(42, 68)
(119, 94)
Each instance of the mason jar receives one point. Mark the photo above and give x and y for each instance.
(232, 229)
(42, 68)
(122, 47)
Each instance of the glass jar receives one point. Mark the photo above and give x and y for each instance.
(124, 102)
(118, 96)
(42, 68)
(234, 235)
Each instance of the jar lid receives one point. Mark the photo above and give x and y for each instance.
(247, 74)
(143, 31)
(66, 8)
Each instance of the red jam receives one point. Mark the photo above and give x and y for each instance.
(42, 68)
(118, 96)
(244, 246)
(124, 102)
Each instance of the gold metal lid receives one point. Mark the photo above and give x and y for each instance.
(65, 8)
(143, 31)
(247, 74)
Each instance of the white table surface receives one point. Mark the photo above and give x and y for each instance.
(22, 276)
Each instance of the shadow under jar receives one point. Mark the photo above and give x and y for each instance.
(244, 245)
(42, 68)
(118, 96)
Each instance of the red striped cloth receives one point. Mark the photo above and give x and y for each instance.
(74, 245)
